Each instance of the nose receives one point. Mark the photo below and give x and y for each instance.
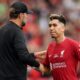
(52, 27)
(25, 15)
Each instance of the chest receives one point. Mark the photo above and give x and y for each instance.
(60, 54)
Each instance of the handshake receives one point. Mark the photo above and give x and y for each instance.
(40, 57)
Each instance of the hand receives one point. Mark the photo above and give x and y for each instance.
(40, 54)
(41, 68)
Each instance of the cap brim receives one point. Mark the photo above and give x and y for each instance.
(29, 12)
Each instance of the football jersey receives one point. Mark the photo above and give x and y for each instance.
(62, 58)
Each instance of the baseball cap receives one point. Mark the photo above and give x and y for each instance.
(20, 7)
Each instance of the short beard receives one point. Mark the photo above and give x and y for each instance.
(23, 24)
(52, 37)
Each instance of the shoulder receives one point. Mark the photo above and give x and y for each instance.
(73, 43)
(11, 29)
(8, 27)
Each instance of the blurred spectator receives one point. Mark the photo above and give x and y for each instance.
(3, 12)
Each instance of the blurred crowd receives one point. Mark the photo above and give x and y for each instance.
(36, 29)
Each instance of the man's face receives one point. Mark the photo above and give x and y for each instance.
(56, 28)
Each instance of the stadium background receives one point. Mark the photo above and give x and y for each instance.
(36, 29)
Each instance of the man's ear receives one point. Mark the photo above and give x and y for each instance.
(63, 27)
(21, 16)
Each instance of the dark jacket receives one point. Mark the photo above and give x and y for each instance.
(13, 52)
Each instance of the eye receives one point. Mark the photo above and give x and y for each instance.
(54, 25)
(50, 25)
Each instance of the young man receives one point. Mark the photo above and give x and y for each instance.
(63, 54)
(13, 52)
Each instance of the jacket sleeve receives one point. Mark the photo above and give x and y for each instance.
(21, 50)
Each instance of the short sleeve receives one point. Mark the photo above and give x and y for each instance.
(77, 50)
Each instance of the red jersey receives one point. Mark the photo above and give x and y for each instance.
(63, 59)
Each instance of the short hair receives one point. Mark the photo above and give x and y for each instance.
(13, 14)
(59, 17)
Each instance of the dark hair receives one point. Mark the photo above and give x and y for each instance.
(13, 14)
(59, 17)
